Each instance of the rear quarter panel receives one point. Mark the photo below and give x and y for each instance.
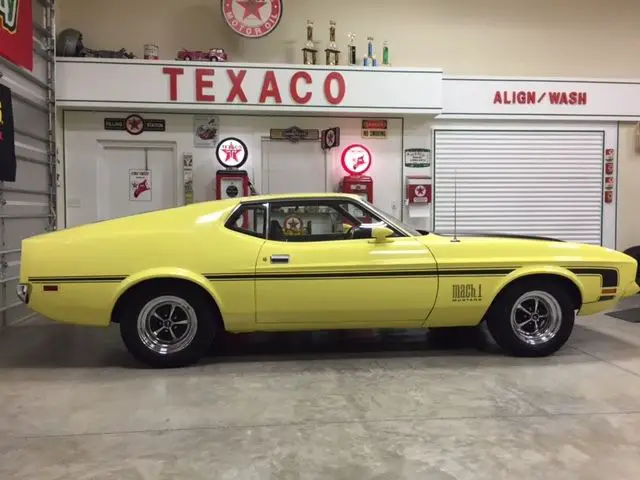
(93, 265)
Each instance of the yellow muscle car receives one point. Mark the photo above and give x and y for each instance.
(173, 279)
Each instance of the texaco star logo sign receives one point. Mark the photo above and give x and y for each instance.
(252, 18)
(356, 159)
(232, 152)
(420, 191)
(134, 124)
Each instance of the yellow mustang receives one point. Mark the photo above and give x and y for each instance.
(172, 279)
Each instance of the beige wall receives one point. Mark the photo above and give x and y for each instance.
(592, 38)
(628, 189)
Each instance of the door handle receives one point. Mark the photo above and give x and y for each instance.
(280, 258)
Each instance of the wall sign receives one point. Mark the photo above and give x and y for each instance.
(187, 172)
(417, 157)
(294, 134)
(330, 138)
(205, 130)
(8, 159)
(252, 18)
(374, 129)
(82, 82)
(356, 159)
(16, 32)
(232, 152)
(135, 124)
(491, 97)
(139, 185)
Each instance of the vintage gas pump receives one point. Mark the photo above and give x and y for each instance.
(232, 182)
(356, 161)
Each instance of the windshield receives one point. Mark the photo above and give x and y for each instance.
(391, 219)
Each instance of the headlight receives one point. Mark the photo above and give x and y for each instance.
(22, 291)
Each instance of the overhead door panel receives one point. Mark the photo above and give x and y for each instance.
(546, 183)
(27, 205)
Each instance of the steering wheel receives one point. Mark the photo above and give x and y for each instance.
(350, 232)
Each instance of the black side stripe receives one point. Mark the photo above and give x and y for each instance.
(79, 279)
(609, 275)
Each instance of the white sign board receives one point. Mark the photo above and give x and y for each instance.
(139, 185)
(472, 97)
(88, 83)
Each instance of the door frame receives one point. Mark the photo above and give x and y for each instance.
(178, 190)
(264, 140)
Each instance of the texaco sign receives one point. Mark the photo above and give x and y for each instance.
(252, 18)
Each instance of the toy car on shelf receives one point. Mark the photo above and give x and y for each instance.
(252, 265)
(212, 55)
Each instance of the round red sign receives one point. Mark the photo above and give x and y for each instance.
(356, 159)
(252, 18)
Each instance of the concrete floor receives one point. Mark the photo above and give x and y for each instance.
(73, 405)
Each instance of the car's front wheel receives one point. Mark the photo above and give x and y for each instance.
(531, 319)
(169, 327)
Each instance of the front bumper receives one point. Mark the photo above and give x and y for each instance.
(23, 290)
(631, 289)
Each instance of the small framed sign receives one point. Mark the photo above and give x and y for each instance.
(417, 157)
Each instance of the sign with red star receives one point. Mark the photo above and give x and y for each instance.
(232, 152)
(252, 18)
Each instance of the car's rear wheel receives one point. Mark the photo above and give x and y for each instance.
(530, 319)
(168, 327)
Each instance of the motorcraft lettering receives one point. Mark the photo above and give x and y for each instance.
(297, 87)
(532, 97)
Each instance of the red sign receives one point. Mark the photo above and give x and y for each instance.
(252, 18)
(16, 32)
(356, 159)
(334, 86)
(531, 97)
(374, 124)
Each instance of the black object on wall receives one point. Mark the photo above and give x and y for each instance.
(7, 137)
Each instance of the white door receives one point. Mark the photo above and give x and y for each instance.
(293, 167)
(136, 179)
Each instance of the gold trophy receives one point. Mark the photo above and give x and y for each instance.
(332, 52)
(310, 52)
(353, 59)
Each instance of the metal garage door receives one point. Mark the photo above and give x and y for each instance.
(27, 205)
(545, 183)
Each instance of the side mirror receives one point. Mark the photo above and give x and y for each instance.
(381, 234)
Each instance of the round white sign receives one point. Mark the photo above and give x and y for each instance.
(232, 152)
(356, 159)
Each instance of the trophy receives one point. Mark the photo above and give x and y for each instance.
(353, 59)
(369, 60)
(309, 52)
(385, 54)
(332, 52)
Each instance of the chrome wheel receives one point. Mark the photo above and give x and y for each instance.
(167, 324)
(536, 317)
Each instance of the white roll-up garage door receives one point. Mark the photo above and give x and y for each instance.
(527, 182)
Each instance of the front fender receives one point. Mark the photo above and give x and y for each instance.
(166, 272)
(531, 270)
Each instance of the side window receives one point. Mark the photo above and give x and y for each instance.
(317, 221)
(249, 219)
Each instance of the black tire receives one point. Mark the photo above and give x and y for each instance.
(196, 344)
(187, 58)
(510, 339)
